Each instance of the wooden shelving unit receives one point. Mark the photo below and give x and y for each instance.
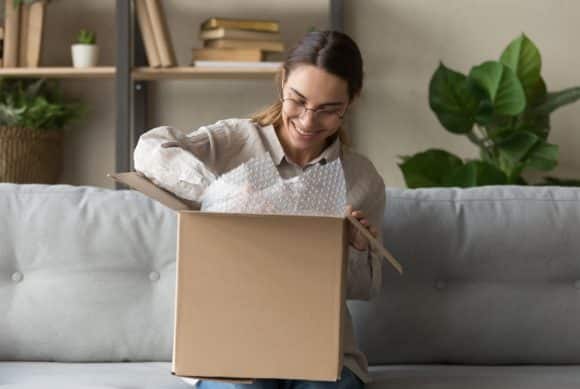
(60, 72)
(131, 77)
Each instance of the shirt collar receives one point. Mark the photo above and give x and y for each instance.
(274, 145)
(330, 153)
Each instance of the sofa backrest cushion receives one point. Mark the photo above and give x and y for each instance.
(86, 274)
(492, 276)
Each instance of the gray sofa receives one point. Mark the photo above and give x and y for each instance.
(490, 297)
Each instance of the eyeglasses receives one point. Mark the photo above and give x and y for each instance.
(328, 117)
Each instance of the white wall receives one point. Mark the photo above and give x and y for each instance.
(402, 42)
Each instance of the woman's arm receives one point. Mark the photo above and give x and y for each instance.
(176, 161)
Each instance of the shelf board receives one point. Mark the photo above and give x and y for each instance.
(142, 73)
(191, 72)
(60, 72)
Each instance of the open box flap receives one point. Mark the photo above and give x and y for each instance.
(375, 244)
(144, 185)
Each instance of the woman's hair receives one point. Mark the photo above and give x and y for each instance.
(332, 51)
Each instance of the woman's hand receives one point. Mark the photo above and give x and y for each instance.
(356, 238)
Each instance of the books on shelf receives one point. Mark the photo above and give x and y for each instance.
(144, 21)
(238, 42)
(1, 45)
(11, 32)
(155, 33)
(276, 47)
(230, 33)
(237, 64)
(209, 54)
(241, 24)
(32, 21)
(23, 25)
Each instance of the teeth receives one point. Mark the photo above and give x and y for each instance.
(304, 132)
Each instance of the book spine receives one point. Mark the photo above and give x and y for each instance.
(23, 34)
(11, 22)
(34, 35)
(227, 33)
(241, 24)
(161, 33)
(270, 46)
(227, 55)
(144, 21)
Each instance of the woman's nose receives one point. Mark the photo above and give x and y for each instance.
(308, 119)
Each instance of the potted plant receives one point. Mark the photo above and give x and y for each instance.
(503, 108)
(85, 53)
(33, 115)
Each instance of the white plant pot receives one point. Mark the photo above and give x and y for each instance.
(84, 55)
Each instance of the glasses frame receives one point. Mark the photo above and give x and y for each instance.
(314, 111)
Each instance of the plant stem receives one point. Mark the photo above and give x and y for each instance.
(482, 142)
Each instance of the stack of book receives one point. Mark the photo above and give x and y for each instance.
(22, 33)
(1, 46)
(155, 33)
(238, 42)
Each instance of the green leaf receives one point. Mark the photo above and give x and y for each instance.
(523, 57)
(555, 100)
(428, 168)
(515, 145)
(537, 94)
(543, 156)
(452, 101)
(36, 104)
(475, 173)
(501, 86)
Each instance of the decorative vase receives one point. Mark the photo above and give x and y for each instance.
(84, 55)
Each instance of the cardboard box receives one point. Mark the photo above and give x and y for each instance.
(257, 296)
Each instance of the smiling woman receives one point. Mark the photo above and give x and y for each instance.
(317, 85)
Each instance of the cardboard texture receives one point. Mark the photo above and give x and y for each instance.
(253, 303)
(257, 296)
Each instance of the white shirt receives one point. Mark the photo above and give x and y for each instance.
(200, 156)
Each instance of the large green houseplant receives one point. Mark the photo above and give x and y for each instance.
(33, 116)
(503, 107)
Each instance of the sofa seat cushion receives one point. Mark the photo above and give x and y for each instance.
(474, 377)
(55, 375)
(157, 375)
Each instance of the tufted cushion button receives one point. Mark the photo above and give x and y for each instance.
(577, 284)
(153, 276)
(17, 276)
(440, 284)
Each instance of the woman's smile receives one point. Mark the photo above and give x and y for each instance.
(304, 134)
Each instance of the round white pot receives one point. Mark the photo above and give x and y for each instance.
(84, 55)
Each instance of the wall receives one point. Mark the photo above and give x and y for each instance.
(402, 42)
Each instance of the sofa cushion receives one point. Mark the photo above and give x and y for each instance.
(86, 274)
(157, 375)
(474, 377)
(52, 375)
(492, 276)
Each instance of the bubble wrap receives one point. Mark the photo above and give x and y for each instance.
(256, 187)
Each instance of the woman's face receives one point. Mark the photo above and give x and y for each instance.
(325, 97)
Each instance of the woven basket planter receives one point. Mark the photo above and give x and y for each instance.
(30, 156)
